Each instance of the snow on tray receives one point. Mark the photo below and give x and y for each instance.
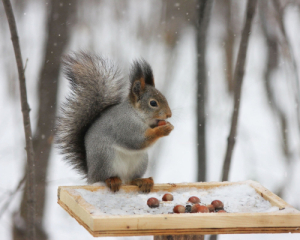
(236, 199)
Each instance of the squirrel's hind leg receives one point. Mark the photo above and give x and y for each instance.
(144, 184)
(114, 183)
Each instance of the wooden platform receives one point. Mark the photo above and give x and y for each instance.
(166, 224)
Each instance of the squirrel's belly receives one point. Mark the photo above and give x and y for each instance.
(128, 164)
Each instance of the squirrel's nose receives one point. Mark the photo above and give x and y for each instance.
(169, 114)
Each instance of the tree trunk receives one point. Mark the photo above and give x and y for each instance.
(229, 44)
(58, 36)
(238, 80)
(203, 21)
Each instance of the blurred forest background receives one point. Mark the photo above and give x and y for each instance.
(192, 47)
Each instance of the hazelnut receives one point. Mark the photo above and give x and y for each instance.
(167, 197)
(211, 208)
(195, 208)
(199, 208)
(161, 123)
(203, 209)
(179, 209)
(194, 199)
(222, 211)
(217, 204)
(153, 202)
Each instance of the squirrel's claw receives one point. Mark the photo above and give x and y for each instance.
(144, 184)
(114, 183)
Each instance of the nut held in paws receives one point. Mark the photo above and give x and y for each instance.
(161, 123)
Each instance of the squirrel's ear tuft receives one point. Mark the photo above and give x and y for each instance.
(149, 79)
(142, 69)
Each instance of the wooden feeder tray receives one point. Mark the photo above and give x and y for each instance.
(180, 224)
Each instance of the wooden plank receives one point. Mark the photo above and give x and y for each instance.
(160, 186)
(268, 195)
(77, 218)
(80, 208)
(179, 231)
(166, 224)
(197, 220)
(200, 231)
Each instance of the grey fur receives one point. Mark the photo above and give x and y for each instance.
(96, 84)
(116, 126)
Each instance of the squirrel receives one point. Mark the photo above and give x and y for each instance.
(108, 121)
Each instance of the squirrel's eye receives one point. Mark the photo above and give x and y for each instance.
(153, 103)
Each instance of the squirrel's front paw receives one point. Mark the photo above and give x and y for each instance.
(145, 184)
(114, 183)
(166, 129)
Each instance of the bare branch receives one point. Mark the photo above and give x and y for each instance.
(273, 46)
(288, 53)
(238, 80)
(11, 196)
(25, 64)
(26, 120)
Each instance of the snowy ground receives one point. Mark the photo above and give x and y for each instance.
(257, 155)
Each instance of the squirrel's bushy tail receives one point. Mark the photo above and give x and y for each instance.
(96, 84)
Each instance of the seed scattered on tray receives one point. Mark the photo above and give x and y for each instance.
(188, 208)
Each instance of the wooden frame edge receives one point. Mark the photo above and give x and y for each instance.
(118, 233)
(268, 195)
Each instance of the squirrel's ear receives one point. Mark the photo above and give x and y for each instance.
(137, 89)
(149, 79)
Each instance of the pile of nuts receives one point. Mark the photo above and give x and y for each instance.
(192, 206)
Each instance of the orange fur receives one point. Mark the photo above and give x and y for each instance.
(145, 184)
(143, 83)
(153, 134)
(114, 183)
